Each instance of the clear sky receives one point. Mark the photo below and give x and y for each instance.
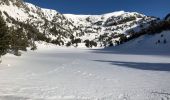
(158, 8)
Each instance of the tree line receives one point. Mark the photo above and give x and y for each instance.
(12, 40)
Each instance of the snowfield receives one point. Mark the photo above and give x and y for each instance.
(55, 73)
(136, 70)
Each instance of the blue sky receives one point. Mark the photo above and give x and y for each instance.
(157, 8)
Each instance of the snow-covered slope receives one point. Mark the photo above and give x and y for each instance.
(48, 22)
(70, 29)
(136, 70)
(57, 73)
(158, 42)
(109, 25)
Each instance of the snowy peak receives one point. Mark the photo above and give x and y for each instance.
(116, 13)
(106, 28)
(103, 16)
(105, 19)
(73, 16)
(69, 29)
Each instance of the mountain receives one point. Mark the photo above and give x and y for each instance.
(136, 67)
(46, 21)
(57, 26)
(27, 23)
(106, 29)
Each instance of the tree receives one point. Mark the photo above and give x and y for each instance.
(68, 44)
(111, 44)
(4, 37)
(89, 43)
(76, 41)
(92, 43)
(165, 41)
(19, 41)
(159, 41)
(123, 38)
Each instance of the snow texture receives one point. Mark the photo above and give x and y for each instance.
(137, 70)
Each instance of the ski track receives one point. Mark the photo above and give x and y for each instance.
(81, 74)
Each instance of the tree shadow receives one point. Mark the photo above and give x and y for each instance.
(135, 51)
(140, 65)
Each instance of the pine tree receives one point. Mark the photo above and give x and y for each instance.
(19, 41)
(4, 37)
(165, 41)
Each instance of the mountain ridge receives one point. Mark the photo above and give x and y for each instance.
(41, 24)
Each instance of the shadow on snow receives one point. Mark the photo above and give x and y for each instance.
(140, 65)
(132, 51)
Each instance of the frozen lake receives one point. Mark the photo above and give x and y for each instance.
(82, 74)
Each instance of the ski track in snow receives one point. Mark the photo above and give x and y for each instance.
(81, 74)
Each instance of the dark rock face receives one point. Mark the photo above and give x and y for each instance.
(167, 17)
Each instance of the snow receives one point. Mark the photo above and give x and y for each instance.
(94, 25)
(85, 27)
(106, 16)
(116, 13)
(49, 13)
(14, 12)
(60, 73)
(149, 42)
(137, 70)
(81, 19)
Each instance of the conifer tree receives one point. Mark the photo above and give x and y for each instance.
(4, 37)
(19, 41)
